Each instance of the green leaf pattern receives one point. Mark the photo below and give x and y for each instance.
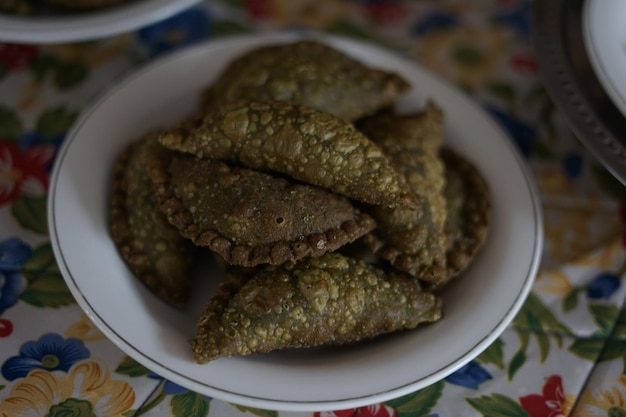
(418, 404)
(189, 404)
(10, 124)
(30, 213)
(130, 367)
(562, 332)
(46, 286)
(497, 405)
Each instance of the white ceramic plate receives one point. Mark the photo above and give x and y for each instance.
(605, 40)
(477, 308)
(87, 26)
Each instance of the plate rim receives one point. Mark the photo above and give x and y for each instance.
(573, 85)
(297, 405)
(593, 11)
(90, 25)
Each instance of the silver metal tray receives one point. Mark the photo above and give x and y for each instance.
(570, 81)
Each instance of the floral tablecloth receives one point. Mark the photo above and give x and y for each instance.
(565, 352)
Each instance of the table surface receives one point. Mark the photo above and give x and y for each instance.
(564, 353)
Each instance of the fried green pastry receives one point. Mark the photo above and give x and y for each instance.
(303, 143)
(152, 248)
(469, 203)
(307, 73)
(329, 300)
(413, 240)
(251, 217)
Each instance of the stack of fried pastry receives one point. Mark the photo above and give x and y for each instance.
(336, 219)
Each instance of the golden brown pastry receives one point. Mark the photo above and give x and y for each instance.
(329, 300)
(307, 73)
(469, 204)
(303, 143)
(413, 240)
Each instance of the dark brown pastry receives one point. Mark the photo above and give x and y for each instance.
(251, 217)
(151, 247)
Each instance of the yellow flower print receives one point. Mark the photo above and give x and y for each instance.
(86, 390)
(554, 183)
(573, 232)
(312, 13)
(609, 258)
(580, 226)
(465, 55)
(84, 329)
(608, 399)
(93, 54)
(552, 282)
(557, 189)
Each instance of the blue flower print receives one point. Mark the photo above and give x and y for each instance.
(522, 133)
(30, 139)
(12, 284)
(434, 21)
(469, 376)
(50, 352)
(518, 18)
(180, 30)
(572, 165)
(13, 253)
(603, 286)
(172, 388)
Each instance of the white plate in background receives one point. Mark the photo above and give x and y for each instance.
(477, 308)
(604, 30)
(88, 25)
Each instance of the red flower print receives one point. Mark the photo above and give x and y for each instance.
(386, 12)
(23, 171)
(375, 410)
(258, 9)
(524, 63)
(17, 56)
(6, 327)
(339, 413)
(549, 403)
